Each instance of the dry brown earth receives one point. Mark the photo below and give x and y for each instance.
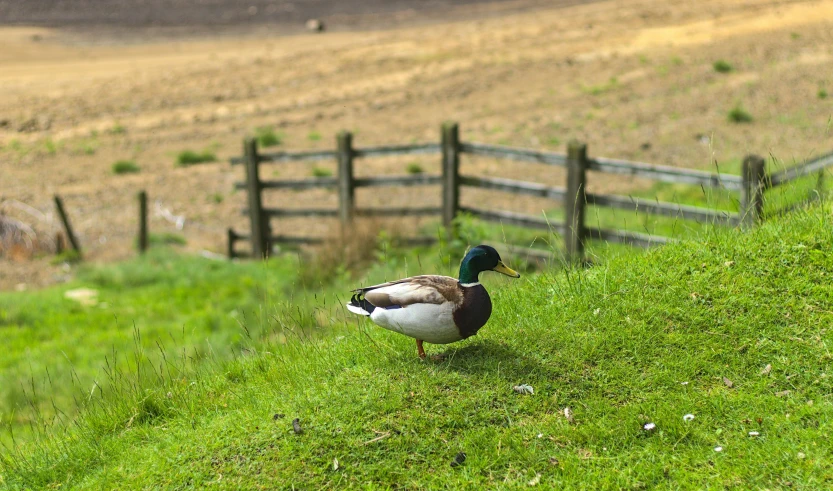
(632, 78)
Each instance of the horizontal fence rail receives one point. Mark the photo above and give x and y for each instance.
(626, 237)
(694, 213)
(512, 186)
(398, 212)
(793, 173)
(297, 212)
(392, 150)
(665, 173)
(518, 154)
(513, 218)
(420, 180)
(311, 183)
(573, 197)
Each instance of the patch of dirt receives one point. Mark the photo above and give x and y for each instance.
(634, 79)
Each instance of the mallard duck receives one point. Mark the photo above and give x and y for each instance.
(432, 308)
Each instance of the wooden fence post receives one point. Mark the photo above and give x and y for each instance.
(819, 185)
(73, 241)
(346, 188)
(752, 192)
(259, 222)
(143, 221)
(232, 237)
(450, 148)
(575, 201)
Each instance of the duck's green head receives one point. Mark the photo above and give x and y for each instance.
(482, 258)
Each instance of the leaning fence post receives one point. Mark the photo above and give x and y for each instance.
(752, 192)
(450, 148)
(575, 201)
(73, 241)
(232, 237)
(346, 189)
(143, 221)
(259, 222)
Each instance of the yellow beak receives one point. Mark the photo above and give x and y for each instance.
(501, 268)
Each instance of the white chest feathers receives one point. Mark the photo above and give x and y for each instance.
(432, 323)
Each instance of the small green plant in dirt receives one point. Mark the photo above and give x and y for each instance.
(722, 66)
(51, 147)
(117, 129)
(166, 239)
(88, 147)
(415, 168)
(314, 136)
(267, 137)
(217, 198)
(601, 88)
(321, 172)
(125, 167)
(739, 115)
(822, 94)
(69, 256)
(190, 157)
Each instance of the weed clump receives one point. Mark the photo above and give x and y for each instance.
(190, 157)
(722, 66)
(321, 172)
(739, 115)
(414, 168)
(266, 137)
(125, 167)
(166, 239)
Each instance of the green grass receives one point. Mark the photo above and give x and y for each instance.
(190, 157)
(321, 172)
(166, 239)
(739, 115)
(182, 303)
(314, 136)
(732, 328)
(414, 168)
(822, 94)
(126, 167)
(722, 66)
(117, 129)
(599, 89)
(267, 137)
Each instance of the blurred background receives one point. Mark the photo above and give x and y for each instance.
(102, 99)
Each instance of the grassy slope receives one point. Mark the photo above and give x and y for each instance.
(174, 303)
(621, 345)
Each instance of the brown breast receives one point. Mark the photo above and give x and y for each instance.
(474, 311)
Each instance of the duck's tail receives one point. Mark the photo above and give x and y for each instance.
(358, 305)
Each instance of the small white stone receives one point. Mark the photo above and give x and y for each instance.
(596, 312)
(688, 417)
(754, 433)
(683, 383)
(800, 455)
(718, 449)
(649, 426)
(540, 435)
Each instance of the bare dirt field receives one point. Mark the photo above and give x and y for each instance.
(635, 79)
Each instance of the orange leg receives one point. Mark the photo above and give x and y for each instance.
(420, 350)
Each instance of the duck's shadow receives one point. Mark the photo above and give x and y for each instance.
(488, 357)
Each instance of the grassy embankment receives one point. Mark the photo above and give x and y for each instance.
(732, 329)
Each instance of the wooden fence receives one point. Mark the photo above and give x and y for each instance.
(753, 182)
